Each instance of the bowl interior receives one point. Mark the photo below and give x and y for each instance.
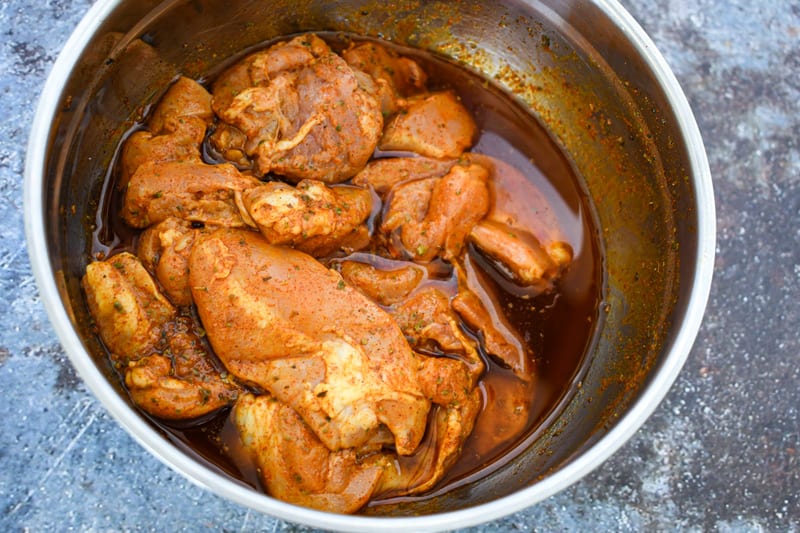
(611, 108)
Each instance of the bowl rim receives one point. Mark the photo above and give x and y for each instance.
(151, 440)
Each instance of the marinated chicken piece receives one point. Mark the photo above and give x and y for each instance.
(435, 215)
(384, 174)
(436, 125)
(279, 319)
(185, 99)
(517, 202)
(191, 191)
(167, 371)
(181, 383)
(148, 246)
(305, 112)
(521, 231)
(261, 67)
(505, 412)
(126, 306)
(497, 338)
(525, 259)
(448, 384)
(405, 208)
(311, 217)
(164, 249)
(397, 77)
(174, 132)
(296, 467)
(228, 142)
(338, 407)
(386, 287)
(453, 424)
(426, 317)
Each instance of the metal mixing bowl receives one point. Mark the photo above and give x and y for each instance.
(584, 68)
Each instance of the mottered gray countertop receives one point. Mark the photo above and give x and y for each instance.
(720, 453)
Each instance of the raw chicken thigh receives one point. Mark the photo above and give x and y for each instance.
(167, 370)
(304, 111)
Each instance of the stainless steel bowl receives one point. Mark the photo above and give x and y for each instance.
(585, 69)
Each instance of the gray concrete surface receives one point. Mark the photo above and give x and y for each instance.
(720, 453)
